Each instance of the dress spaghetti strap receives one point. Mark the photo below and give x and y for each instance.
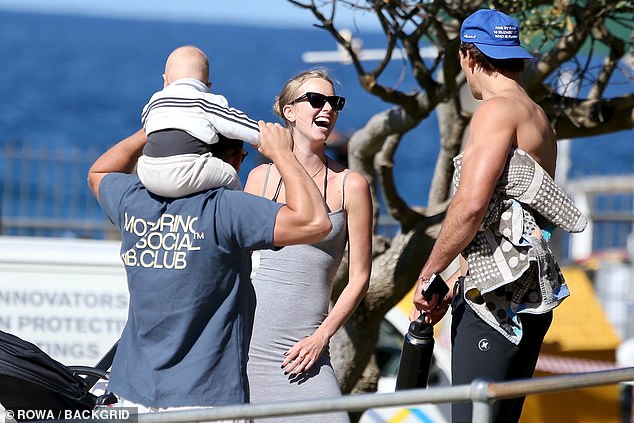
(280, 182)
(266, 178)
(343, 188)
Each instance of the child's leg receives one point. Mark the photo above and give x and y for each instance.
(211, 172)
(185, 174)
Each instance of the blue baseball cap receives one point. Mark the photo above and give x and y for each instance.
(495, 34)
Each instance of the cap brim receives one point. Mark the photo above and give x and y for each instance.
(504, 52)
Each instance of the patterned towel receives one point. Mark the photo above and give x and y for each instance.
(511, 267)
(527, 182)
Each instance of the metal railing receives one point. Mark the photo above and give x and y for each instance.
(43, 192)
(480, 392)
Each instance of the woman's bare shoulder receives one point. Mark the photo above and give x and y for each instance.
(256, 177)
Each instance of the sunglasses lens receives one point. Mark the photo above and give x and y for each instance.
(337, 102)
(317, 101)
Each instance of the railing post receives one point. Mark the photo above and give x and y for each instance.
(626, 402)
(481, 401)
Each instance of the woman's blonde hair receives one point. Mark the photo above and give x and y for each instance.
(290, 90)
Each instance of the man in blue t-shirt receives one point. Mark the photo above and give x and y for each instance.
(188, 263)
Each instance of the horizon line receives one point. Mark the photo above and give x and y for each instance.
(182, 18)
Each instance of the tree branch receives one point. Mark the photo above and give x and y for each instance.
(452, 125)
(610, 63)
(365, 143)
(384, 165)
(567, 47)
(590, 117)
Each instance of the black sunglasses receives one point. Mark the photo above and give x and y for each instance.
(317, 100)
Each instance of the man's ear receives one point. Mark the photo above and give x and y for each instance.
(166, 81)
(470, 61)
(289, 113)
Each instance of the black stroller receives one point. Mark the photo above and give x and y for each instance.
(31, 379)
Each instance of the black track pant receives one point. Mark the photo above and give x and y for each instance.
(479, 351)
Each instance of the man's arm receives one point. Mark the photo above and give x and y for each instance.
(120, 158)
(304, 218)
(483, 162)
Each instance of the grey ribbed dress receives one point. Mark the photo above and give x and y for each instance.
(293, 287)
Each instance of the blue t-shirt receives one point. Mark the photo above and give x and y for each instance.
(188, 262)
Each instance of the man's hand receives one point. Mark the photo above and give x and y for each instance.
(274, 140)
(434, 309)
(431, 317)
(304, 218)
(420, 302)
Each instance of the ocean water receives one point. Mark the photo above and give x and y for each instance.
(81, 82)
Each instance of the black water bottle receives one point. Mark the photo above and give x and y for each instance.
(416, 356)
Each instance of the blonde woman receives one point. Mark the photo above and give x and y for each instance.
(288, 356)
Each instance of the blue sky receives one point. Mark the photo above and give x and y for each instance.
(275, 13)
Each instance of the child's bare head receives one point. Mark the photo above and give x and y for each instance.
(186, 62)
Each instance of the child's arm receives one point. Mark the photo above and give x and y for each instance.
(233, 123)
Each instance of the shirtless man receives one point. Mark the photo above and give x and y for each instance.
(499, 316)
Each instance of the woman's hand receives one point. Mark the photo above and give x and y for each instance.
(302, 356)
